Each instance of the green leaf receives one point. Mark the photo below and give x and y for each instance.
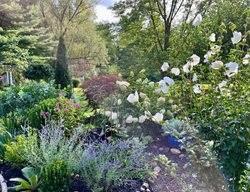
(24, 185)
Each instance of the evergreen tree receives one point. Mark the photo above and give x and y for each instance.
(62, 77)
(24, 39)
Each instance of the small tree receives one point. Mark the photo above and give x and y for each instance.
(61, 16)
(62, 76)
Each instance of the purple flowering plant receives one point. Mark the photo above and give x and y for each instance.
(106, 164)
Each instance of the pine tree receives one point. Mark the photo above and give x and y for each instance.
(24, 39)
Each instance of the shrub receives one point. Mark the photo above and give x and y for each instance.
(15, 152)
(72, 114)
(55, 177)
(213, 95)
(62, 76)
(17, 99)
(76, 83)
(99, 87)
(38, 71)
(5, 138)
(54, 145)
(107, 165)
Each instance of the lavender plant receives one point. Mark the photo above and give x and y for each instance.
(54, 145)
(104, 165)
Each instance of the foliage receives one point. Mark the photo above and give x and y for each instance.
(17, 99)
(62, 76)
(5, 137)
(26, 39)
(173, 126)
(32, 175)
(100, 86)
(38, 72)
(55, 177)
(107, 165)
(76, 82)
(141, 32)
(214, 98)
(60, 109)
(53, 145)
(15, 150)
(245, 180)
(90, 46)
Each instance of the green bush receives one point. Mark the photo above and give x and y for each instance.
(15, 152)
(5, 138)
(55, 177)
(18, 99)
(76, 83)
(39, 71)
(61, 108)
(54, 145)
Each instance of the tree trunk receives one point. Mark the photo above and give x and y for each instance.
(167, 35)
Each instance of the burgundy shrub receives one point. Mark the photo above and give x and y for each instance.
(100, 87)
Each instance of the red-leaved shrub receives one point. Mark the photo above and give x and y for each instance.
(99, 87)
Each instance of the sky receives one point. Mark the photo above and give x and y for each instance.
(103, 13)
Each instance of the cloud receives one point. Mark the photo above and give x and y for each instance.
(104, 14)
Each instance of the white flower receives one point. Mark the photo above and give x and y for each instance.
(135, 120)
(186, 67)
(151, 84)
(129, 119)
(232, 69)
(158, 117)
(207, 56)
(147, 114)
(217, 64)
(222, 85)
(175, 71)
(139, 80)
(236, 37)
(164, 87)
(119, 102)
(246, 59)
(161, 100)
(132, 98)
(142, 118)
(215, 49)
(143, 95)
(108, 113)
(197, 21)
(169, 81)
(165, 66)
(195, 78)
(195, 60)
(123, 84)
(157, 91)
(114, 116)
(212, 37)
(197, 88)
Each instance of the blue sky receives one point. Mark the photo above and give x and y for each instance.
(107, 3)
(104, 14)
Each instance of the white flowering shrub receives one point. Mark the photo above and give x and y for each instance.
(212, 92)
